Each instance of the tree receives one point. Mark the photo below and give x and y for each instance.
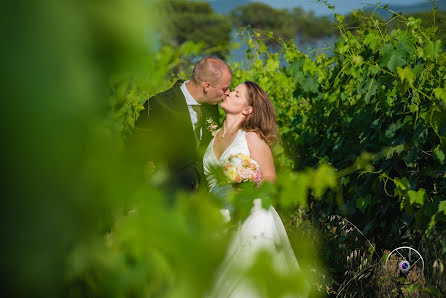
(196, 21)
(311, 27)
(264, 17)
(283, 23)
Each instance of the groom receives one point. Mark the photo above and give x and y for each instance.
(172, 130)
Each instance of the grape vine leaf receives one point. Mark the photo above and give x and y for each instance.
(391, 151)
(417, 197)
(441, 93)
(392, 58)
(442, 207)
(295, 189)
(372, 41)
(407, 45)
(372, 90)
(323, 178)
(393, 128)
(432, 50)
(374, 69)
(406, 74)
(439, 155)
(310, 84)
(402, 183)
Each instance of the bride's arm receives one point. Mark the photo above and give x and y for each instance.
(261, 153)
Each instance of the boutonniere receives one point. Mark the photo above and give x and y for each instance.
(212, 126)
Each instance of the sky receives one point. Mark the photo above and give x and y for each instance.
(342, 6)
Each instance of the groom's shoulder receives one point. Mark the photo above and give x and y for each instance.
(173, 91)
(159, 102)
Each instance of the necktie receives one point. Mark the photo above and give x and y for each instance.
(197, 109)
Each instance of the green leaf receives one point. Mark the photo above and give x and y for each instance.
(309, 66)
(391, 58)
(442, 207)
(393, 128)
(339, 18)
(407, 46)
(356, 59)
(323, 178)
(438, 116)
(363, 202)
(413, 108)
(412, 22)
(432, 50)
(295, 189)
(432, 290)
(441, 93)
(374, 69)
(372, 40)
(310, 84)
(391, 151)
(417, 197)
(272, 65)
(406, 74)
(439, 155)
(401, 185)
(372, 89)
(420, 52)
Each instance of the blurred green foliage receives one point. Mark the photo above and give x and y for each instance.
(60, 159)
(76, 221)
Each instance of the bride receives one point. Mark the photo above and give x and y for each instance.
(250, 129)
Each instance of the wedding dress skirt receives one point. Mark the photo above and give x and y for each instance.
(261, 231)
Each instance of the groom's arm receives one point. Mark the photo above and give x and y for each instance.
(142, 142)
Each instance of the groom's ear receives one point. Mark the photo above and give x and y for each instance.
(206, 86)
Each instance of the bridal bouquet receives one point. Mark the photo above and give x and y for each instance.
(240, 168)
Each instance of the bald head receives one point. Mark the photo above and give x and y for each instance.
(210, 69)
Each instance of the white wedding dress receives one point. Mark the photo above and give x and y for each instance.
(262, 230)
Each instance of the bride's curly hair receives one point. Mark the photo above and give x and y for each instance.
(262, 120)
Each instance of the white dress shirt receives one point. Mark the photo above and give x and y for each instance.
(191, 102)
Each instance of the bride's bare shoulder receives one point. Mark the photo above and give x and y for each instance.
(255, 141)
(261, 153)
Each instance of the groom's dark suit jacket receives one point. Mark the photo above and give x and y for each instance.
(164, 134)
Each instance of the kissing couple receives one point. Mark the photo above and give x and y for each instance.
(179, 129)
